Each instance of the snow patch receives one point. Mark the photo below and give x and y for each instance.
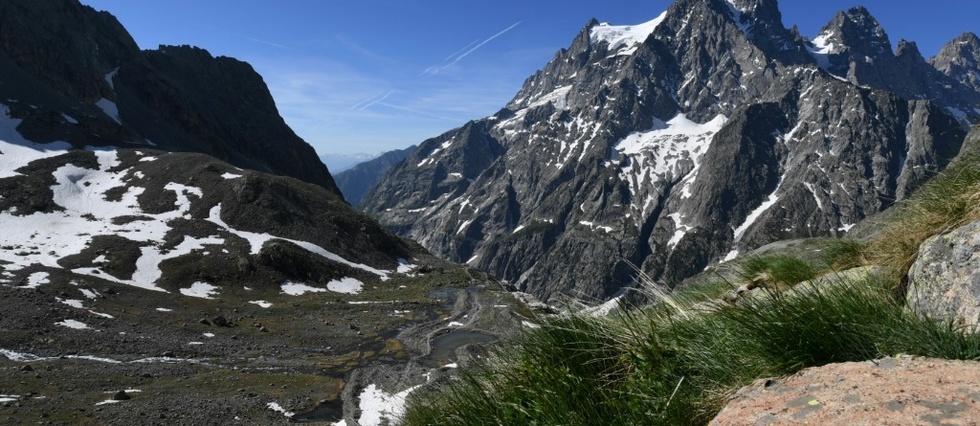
(297, 289)
(112, 76)
(670, 151)
(17, 152)
(274, 406)
(809, 186)
(737, 16)
(755, 214)
(822, 49)
(261, 303)
(624, 36)
(71, 302)
(200, 290)
(230, 176)
(256, 240)
(37, 279)
(679, 233)
(346, 286)
(379, 407)
(70, 323)
(404, 266)
(110, 109)
(593, 227)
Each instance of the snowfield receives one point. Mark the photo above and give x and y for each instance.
(89, 210)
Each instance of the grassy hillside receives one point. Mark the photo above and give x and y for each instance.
(677, 362)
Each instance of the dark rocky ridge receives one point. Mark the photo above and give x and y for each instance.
(61, 58)
(546, 195)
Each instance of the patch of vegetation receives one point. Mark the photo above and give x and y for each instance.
(842, 254)
(667, 365)
(777, 270)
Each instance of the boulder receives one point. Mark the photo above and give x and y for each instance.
(944, 282)
(885, 391)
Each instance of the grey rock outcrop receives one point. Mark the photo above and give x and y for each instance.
(944, 282)
(673, 144)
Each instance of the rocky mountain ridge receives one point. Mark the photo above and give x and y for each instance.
(599, 161)
(73, 74)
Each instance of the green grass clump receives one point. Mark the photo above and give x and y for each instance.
(841, 254)
(668, 366)
(778, 269)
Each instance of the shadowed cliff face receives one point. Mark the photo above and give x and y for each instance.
(74, 74)
(674, 144)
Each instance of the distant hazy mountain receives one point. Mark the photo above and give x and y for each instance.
(675, 144)
(356, 181)
(340, 162)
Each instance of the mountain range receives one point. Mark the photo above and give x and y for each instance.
(681, 142)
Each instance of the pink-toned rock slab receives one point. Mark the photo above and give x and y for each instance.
(889, 391)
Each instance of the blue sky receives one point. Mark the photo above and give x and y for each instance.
(375, 75)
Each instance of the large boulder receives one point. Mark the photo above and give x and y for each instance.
(944, 283)
(884, 391)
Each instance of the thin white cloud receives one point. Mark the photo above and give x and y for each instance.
(435, 69)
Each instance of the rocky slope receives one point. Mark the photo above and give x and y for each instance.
(73, 74)
(357, 180)
(678, 143)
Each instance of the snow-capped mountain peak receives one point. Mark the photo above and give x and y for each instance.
(706, 131)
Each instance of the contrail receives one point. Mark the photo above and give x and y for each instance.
(433, 70)
(484, 42)
(368, 105)
(461, 50)
(370, 101)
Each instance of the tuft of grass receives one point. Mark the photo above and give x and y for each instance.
(842, 254)
(948, 201)
(659, 366)
(777, 269)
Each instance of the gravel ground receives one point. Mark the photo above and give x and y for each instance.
(191, 361)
